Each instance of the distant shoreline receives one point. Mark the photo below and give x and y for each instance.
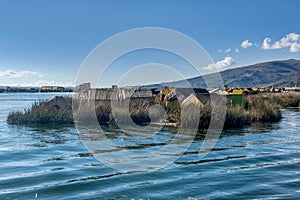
(36, 92)
(42, 89)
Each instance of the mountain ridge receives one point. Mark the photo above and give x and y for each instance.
(280, 73)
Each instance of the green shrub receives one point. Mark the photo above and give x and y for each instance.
(236, 116)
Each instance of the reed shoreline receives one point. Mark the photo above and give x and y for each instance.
(263, 108)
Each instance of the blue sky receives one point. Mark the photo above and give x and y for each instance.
(45, 42)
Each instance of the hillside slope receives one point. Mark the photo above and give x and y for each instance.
(275, 73)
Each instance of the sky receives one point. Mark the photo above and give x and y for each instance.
(46, 42)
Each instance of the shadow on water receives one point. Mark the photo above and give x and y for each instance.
(59, 134)
(254, 128)
(43, 135)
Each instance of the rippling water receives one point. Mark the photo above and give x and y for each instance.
(259, 162)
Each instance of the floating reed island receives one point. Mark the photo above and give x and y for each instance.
(55, 111)
(144, 106)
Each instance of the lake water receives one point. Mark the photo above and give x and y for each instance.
(259, 162)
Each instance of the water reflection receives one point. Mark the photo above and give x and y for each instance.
(51, 135)
(42, 136)
(263, 127)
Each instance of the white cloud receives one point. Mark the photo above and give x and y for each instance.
(220, 65)
(228, 50)
(266, 44)
(43, 83)
(236, 50)
(246, 44)
(18, 74)
(295, 48)
(290, 41)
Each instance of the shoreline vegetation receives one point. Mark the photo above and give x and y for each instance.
(259, 108)
(44, 113)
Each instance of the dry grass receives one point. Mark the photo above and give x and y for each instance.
(285, 100)
(263, 109)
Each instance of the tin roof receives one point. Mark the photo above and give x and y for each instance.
(238, 92)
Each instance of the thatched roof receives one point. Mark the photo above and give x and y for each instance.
(57, 102)
(179, 94)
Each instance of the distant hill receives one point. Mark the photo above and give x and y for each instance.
(289, 81)
(275, 73)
